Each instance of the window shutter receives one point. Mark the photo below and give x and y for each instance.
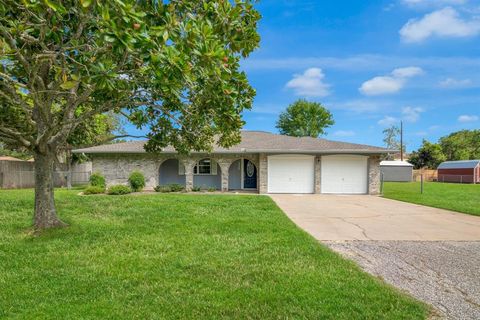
(181, 169)
(213, 167)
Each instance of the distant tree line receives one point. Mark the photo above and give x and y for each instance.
(461, 145)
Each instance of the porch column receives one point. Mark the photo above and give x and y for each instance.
(224, 167)
(188, 164)
(263, 173)
(374, 175)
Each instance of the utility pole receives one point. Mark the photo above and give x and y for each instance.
(401, 140)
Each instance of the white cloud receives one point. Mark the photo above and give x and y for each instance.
(344, 133)
(451, 83)
(309, 84)
(467, 118)
(389, 84)
(407, 72)
(387, 121)
(445, 22)
(411, 114)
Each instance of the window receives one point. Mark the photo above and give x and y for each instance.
(205, 167)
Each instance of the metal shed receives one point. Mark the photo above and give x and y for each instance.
(465, 171)
(397, 171)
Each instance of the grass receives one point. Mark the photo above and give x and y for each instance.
(457, 197)
(179, 257)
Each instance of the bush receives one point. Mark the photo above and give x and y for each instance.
(94, 190)
(97, 180)
(119, 189)
(212, 189)
(136, 181)
(174, 187)
(163, 189)
(196, 188)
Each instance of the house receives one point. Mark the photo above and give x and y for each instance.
(396, 171)
(263, 162)
(466, 171)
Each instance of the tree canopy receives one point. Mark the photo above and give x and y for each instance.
(170, 66)
(304, 119)
(429, 155)
(461, 145)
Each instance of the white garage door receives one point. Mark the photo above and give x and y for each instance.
(346, 174)
(291, 174)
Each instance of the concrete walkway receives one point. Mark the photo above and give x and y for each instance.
(341, 218)
(432, 254)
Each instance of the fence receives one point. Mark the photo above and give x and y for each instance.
(456, 178)
(428, 175)
(20, 174)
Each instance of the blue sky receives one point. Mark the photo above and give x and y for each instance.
(372, 63)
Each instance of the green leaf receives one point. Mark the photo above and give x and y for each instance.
(165, 36)
(86, 3)
(68, 85)
(54, 6)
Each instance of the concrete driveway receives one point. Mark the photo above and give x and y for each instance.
(335, 217)
(432, 254)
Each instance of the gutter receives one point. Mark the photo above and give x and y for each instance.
(275, 151)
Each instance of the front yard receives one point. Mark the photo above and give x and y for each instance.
(179, 256)
(451, 196)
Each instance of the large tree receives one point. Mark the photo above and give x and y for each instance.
(172, 66)
(304, 119)
(429, 155)
(461, 145)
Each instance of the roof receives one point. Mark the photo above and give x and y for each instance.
(463, 164)
(256, 141)
(396, 164)
(8, 158)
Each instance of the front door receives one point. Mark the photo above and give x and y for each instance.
(249, 175)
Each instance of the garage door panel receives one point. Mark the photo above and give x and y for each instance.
(344, 174)
(290, 174)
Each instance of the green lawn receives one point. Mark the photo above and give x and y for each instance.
(457, 197)
(179, 257)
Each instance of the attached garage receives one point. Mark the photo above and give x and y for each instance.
(291, 174)
(344, 174)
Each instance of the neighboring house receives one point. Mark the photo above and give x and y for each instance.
(467, 171)
(396, 171)
(263, 161)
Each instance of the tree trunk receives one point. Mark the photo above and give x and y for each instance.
(45, 215)
(69, 172)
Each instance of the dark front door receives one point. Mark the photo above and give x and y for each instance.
(249, 175)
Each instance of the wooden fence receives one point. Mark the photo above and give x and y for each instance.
(428, 175)
(20, 174)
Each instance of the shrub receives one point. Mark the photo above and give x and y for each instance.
(163, 189)
(136, 181)
(212, 189)
(174, 187)
(119, 189)
(94, 190)
(97, 180)
(196, 188)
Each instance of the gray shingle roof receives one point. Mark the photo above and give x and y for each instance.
(256, 141)
(463, 164)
